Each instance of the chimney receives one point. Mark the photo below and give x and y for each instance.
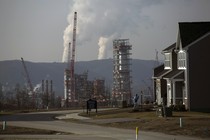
(51, 86)
(42, 86)
(46, 87)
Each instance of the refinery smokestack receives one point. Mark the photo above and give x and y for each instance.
(46, 87)
(51, 86)
(43, 86)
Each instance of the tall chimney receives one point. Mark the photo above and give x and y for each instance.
(51, 86)
(42, 86)
(46, 86)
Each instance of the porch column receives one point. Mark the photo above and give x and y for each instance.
(174, 92)
(169, 94)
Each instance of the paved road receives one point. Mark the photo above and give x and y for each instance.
(80, 131)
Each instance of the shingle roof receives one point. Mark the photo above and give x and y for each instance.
(175, 74)
(191, 31)
(170, 47)
(158, 70)
(160, 74)
(180, 76)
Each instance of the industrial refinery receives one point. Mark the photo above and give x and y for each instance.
(78, 89)
(116, 91)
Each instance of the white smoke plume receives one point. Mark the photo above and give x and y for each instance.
(67, 38)
(99, 21)
(102, 47)
(104, 44)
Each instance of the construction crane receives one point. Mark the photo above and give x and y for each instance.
(31, 89)
(72, 82)
(27, 76)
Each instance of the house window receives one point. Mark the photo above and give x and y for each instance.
(167, 60)
(181, 60)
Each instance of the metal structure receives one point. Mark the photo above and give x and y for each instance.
(66, 84)
(27, 76)
(31, 89)
(72, 77)
(69, 56)
(99, 89)
(81, 87)
(67, 75)
(121, 91)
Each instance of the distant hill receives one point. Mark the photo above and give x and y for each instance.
(12, 72)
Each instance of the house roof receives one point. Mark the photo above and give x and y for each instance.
(191, 31)
(160, 74)
(180, 76)
(175, 74)
(169, 48)
(158, 68)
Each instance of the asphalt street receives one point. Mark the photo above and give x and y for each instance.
(45, 120)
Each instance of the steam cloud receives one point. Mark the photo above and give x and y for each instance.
(103, 21)
(37, 87)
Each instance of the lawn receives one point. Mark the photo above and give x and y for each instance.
(193, 123)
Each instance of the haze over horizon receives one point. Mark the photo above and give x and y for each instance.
(39, 30)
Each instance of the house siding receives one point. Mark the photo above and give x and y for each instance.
(198, 79)
(174, 60)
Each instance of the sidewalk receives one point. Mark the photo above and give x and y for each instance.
(96, 121)
(72, 116)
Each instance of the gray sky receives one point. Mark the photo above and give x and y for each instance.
(38, 30)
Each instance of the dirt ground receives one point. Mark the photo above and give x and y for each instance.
(192, 123)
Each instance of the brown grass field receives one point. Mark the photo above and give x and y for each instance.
(193, 123)
(21, 130)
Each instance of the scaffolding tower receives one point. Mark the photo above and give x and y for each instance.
(121, 92)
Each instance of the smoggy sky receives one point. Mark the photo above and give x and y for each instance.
(39, 30)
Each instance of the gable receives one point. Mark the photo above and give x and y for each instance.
(191, 31)
(170, 48)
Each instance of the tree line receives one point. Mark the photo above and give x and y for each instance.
(20, 98)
